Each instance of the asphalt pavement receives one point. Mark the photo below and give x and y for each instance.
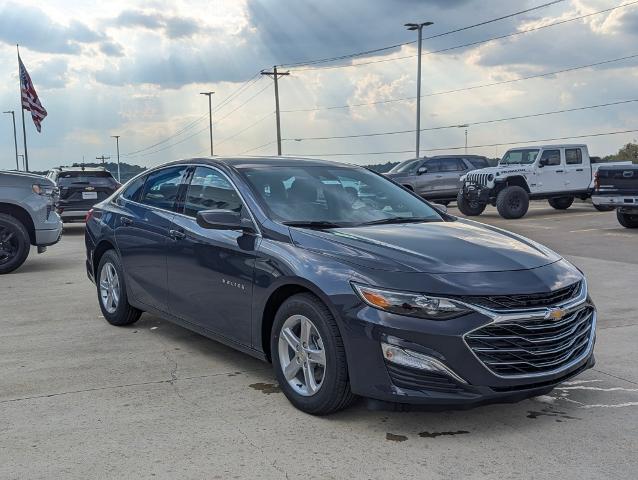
(82, 399)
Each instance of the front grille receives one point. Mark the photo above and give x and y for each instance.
(516, 302)
(478, 178)
(524, 347)
(414, 379)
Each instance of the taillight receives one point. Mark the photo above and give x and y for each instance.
(89, 215)
(596, 182)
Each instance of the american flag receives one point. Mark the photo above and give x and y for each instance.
(30, 100)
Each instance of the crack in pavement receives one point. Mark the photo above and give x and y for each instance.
(615, 376)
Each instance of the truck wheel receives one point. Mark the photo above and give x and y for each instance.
(604, 208)
(14, 243)
(512, 202)
(471, 209)
(561, 203)
(627, 220)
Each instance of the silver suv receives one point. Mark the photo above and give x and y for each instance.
(436, 178)
(27, 217)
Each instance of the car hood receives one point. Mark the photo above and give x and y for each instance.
(458, 246)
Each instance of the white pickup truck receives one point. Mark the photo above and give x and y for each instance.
(557, 173)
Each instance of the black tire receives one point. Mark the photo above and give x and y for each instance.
(561, 203)
(627, 220)
(604, 208)
(14, 243)
(124, 313)
(334, 393)
(512, 202)
(470, 209)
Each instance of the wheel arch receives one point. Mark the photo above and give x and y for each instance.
(518, 181)
(22, 215)
(100, 249)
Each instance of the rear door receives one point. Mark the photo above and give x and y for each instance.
(142, 233)
(552, 174)
(210, 272)
(577, 174)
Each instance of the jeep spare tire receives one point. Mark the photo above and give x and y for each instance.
(512, 202)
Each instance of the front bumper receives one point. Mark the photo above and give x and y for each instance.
(373, 376)
(50, 235)
(476, 193)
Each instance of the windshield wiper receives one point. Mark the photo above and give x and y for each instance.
(314, 224)
(398, 220)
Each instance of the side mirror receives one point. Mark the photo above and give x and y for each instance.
(542, 162)
(422, 170)
(223, 220)
(440, 207)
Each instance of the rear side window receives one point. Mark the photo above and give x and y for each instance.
(210, 190)
(162, 187)
(132, 192)
(573, 156)
(551, 157)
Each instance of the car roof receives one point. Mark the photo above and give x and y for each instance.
(558, 145)
(255, 162)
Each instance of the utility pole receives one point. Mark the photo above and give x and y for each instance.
(102, 158)
(210, 118)
(23, 164)
(275, 75)
(117, 144)
(419, 28)
(465, 127)
(15, 138)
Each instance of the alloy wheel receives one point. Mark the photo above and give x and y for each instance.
(9, 245)
(302, 356)
(109, 288)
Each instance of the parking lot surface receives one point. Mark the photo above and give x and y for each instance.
(82, 399)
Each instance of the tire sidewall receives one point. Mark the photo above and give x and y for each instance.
(465, 207)
(299, 305)
(24, 245)
(506, 196)
(120, 315)
(627, 220)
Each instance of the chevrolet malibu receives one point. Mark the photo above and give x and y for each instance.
(347, 282)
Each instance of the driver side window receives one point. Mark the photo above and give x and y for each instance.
(210, 190)
(433, 166)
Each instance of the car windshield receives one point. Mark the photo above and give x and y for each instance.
(523, 156)
(103, 179)
(327, 196)
(408, 166)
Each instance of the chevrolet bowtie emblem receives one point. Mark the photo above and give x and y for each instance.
(89, 188)
(555, 313)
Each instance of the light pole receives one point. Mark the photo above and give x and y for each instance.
(23, 162)
(210, 118)
(465, 127)
(117, 146)
(419, 28)
(15, 138)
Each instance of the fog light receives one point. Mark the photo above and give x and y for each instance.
(419, 361)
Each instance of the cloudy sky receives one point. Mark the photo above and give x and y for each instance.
(135, 69)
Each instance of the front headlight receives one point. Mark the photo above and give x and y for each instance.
(410, 304)
(43, 189)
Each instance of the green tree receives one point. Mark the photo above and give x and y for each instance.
(628, 152)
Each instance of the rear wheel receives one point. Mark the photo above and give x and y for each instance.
(627, 220)
(561, 203)
(111, 292)
(512, 202)
(309, 357)
(604, 208)
(469, 208)
(14, 243)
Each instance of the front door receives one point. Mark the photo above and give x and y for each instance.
(451, 171)
(142, 233)
(552, 174)
(210, 272)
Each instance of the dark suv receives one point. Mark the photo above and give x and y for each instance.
(436, 178)
(348, 283)
(81, 188)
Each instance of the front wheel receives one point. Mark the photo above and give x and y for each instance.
(467, 207)
(111, 292)
(561, 203)
(604, 208)
(309, 357)
(512, 202)
(14, 243)
(627, 220)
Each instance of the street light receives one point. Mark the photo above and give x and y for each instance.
(117, 144)
(15, 138)
(210, 118)
(465, 127)
(419, 28)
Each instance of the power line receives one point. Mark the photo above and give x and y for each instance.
(473, 87)
(518, 142)
(459, 124)
(257, 148)
(242, 104)
(390, 47)
(246, 128)
(470, 44)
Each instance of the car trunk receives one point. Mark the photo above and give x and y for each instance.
(618, 180)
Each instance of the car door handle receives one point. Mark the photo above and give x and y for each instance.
(176, 234)
(439, 176)
(579, 169)
(559, 171)
(126, 221)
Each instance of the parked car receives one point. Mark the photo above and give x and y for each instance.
(27, 217)
(436, 178)
(322, 268)
(558, 173)
(80, 189)
(617, 187)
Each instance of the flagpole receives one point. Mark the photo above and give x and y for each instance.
(24, 129)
